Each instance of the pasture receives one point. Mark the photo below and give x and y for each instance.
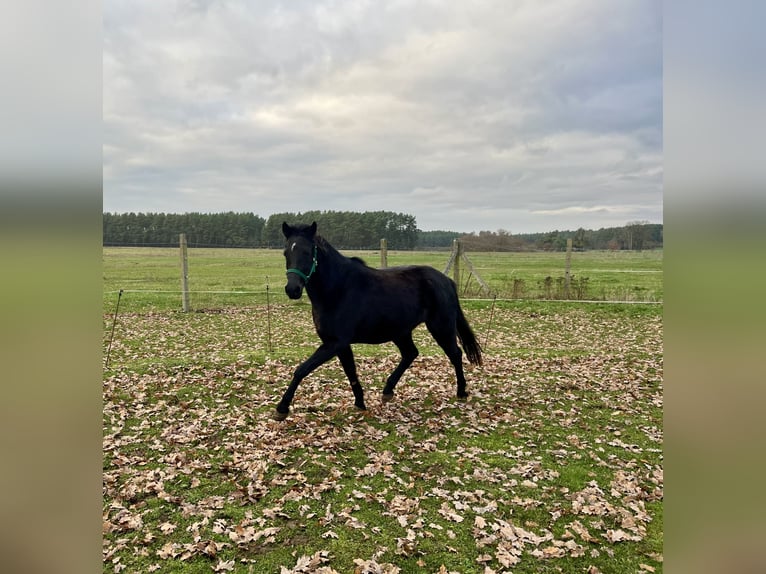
(238, 277)
(554, 464)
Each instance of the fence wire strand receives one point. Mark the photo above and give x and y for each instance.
(486, 299)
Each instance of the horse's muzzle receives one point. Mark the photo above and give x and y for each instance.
(294, 288)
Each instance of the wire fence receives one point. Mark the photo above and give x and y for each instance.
(229, 278)
(278, 298)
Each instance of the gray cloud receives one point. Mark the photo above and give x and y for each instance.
(482, 115)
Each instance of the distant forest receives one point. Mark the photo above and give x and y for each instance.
(355, 230)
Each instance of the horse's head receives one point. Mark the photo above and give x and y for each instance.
(300, 257)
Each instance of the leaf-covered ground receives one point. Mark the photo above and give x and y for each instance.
(553, 465)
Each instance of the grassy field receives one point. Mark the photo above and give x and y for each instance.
(150, 277)
(554, 464)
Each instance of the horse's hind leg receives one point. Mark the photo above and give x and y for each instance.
(409, 353)
(446, 336)
(346, 357)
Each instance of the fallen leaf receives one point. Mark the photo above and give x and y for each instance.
(224, 566)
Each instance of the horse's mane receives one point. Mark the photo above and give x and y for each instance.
(329, 249)
(325, 246)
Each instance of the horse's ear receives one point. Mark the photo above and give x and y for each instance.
(313, 229)
(286, 229)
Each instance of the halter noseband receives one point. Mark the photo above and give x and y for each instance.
(300, 273)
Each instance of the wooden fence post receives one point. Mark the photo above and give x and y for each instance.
(567, 277)
(184, 274)
(457, 250)
(268, 313)
(383, 254)
(454, 259)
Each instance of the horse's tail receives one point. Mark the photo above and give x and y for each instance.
(467, 338)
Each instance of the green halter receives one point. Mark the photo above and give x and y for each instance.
(300, 273)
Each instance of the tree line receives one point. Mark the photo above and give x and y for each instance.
(349, 229)
(202, 229)
(344, 229)
(355, 230)
(634, 236)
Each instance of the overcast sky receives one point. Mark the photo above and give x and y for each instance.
(483, 115)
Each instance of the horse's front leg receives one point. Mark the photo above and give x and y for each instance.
(323, 354)
(346, 357)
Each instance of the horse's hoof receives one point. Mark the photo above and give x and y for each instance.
(277, 416)
(387, 397)
(360, 407)
(463, 397)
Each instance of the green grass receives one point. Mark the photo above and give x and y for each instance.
(220, 278)
(561, 439)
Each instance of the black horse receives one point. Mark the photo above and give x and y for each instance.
(353, 303)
